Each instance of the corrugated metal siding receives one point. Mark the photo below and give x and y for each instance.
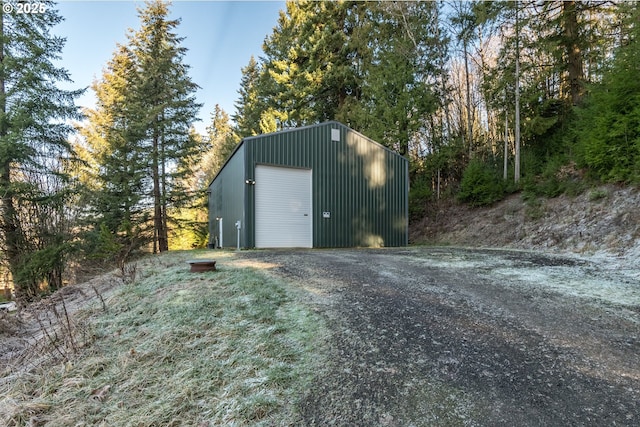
(227, 200)
(363, 185)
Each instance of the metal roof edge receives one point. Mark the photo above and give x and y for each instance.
(329, 122)
(294, 129)
(373, 141)
(233, 153)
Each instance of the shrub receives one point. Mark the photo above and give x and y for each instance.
(419, 195)
(481, 185)
(598, 194)
(559, 175)
(608, 125)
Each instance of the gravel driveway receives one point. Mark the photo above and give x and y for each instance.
(445, 336)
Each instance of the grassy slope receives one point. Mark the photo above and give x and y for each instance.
(232, 347)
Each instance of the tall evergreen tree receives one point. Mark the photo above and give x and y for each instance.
(366, 64)
(608, 126)
(33, 140)
(167, 94)
(248, 106)
(557, 40)
(140, 134)
(311, 67)
(464, 23)
(286, 56)
(222, 141)
(117, 165)
(399, 90)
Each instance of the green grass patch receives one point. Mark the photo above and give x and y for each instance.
(598, 194)
(231, 347)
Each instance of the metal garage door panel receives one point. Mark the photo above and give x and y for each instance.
(283, 207)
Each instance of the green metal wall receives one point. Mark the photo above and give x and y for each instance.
(226, 200)
(362, 184)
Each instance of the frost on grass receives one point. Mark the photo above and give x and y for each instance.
(232, 347)
(607, 279)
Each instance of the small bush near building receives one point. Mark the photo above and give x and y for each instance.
(480, 185)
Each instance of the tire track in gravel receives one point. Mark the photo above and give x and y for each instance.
(418, 342)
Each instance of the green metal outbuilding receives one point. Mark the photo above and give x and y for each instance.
(317, 186)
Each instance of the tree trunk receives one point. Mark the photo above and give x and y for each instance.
(158, 231)
(12, 233)
(468, 85)
(506, 145)
(574, 53)
(163, 241)
(8, 216)
(516, 175)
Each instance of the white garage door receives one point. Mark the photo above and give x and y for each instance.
(283, 207)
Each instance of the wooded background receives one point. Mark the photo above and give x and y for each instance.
(483, 98)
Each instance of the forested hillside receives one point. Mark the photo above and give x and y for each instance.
(484, 98)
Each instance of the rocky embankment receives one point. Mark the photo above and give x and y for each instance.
(604, 220)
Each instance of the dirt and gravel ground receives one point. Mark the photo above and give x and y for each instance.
(445, 336)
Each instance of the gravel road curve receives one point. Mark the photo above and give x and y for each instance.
(446, 336)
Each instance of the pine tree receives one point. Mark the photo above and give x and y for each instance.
(608, 125)
(140, 137)
(397, 93)
(310, 71)
(222, 141)
(117, 166)
(464, 23)
(248, 106)
(557, 41)
(166, 93)
(33, 141)
(189, 221)
(287, 93)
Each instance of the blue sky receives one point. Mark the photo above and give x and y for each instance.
(220, 37)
